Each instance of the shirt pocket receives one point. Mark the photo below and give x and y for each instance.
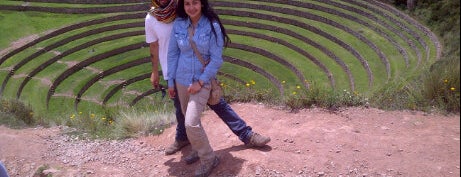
(182, 40)
(204, 42)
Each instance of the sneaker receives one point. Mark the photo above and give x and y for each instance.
(257, 140)
(176, 146)
(191, 158)
(206, 168)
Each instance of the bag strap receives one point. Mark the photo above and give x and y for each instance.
(192, 43)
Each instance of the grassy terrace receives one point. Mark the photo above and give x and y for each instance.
(95, 55)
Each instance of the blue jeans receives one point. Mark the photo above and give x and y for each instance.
(3, 172)
(225, 112)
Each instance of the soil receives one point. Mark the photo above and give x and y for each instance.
(312, 142)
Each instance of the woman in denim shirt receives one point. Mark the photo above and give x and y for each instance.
(192, 79)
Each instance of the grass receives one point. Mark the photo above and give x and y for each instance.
(33, 23)
(437, 87)
(16, 114)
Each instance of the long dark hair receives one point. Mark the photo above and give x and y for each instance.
(209, 13)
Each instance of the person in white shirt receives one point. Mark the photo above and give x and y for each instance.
(158, 27)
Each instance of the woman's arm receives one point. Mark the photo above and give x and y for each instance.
(216, 51)
(173, 57)
(172, 62)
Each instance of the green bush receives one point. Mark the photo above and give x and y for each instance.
(16, 113)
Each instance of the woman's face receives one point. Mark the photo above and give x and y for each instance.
(193, 8)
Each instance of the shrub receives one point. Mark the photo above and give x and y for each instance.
(13, 110)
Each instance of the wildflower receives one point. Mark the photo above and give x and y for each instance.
(80, 112)
(298, 87)
(72, 116)
(452, 89)
(248, 85)
(92, 115)
(283, 82)
(252, 82)
(103, 118)
(445, 81)
(294, 93)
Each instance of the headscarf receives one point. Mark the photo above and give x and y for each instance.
(164, 14)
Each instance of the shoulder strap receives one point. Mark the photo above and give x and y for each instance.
(194, 47)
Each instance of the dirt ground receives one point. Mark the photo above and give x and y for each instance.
(312, 142)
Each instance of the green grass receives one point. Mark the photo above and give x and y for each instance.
(405, 89)
(375, 63)
(33, 23)
(60, 5)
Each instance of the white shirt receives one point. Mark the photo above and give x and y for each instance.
(159, 31)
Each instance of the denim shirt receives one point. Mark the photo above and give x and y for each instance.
(183, 65)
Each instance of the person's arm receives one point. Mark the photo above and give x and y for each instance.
(152, 40)
(172, 62)
(216, 52)
(154, 77)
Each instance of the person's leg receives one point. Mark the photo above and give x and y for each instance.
(232, 120)
(195, 131)
(181, 135)
(238, 125)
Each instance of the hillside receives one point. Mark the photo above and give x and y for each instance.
(90, 56)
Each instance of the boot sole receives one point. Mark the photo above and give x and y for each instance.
(190, 160)
(215, 164)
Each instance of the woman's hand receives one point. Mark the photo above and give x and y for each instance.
(171, 92)
(194, 88)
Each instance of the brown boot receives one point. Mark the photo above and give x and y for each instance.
(176, 146)
(192, 158)
(257, 140)
(205, 168)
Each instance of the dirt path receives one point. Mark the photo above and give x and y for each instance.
(313, 142)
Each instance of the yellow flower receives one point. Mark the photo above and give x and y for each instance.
(298, 87)
(72, 116)
(248, 85)
(103, 118)
(253, 82)
(92, 115)
(294, 93)
(452, 89)
(445, 81)
(283, 82)
(80, 112)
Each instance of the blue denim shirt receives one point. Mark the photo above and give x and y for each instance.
(183, 65)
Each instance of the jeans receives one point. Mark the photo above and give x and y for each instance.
(227, 115)
(3, 172)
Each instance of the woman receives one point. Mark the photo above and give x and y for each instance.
(192, 79)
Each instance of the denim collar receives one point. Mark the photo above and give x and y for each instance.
(202, 21)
